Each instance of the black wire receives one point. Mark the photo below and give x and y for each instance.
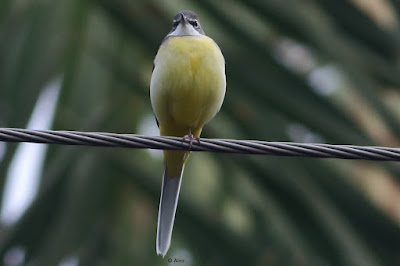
(212, 145)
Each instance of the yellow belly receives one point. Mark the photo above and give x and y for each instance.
(188, 84)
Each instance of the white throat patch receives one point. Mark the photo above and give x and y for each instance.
(184, 29)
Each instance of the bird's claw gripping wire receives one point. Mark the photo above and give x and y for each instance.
(190, 137)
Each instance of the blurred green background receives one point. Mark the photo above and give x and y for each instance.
(297, 70)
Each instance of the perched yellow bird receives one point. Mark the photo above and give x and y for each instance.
(187, 89)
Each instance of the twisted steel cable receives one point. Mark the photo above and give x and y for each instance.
(212, 145)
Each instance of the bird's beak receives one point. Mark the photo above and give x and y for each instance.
(183, 18)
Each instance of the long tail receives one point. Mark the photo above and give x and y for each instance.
(166, 212)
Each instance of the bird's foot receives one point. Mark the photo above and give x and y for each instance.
(190, 137)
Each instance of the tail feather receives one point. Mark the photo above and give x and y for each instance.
(167, 209)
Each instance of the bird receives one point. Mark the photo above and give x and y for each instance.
(187, 89)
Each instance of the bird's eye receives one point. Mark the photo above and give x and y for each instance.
(175, 23)
(194, 23)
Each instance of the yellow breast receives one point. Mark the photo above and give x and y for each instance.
(188, 83)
